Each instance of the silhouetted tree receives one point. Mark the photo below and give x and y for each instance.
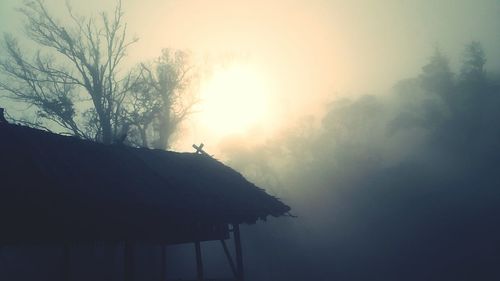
(436, 76)
(427, 98)
(473, 62)
(160, 99)
(79, 64)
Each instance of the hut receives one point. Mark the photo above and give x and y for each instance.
(65, 190)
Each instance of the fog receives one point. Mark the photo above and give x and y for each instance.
(381, 131)
(313, 51)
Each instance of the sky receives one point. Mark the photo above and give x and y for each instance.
(297, 55)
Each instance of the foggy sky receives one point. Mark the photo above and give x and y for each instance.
(312, 50)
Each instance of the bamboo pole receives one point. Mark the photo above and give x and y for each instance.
(163, 263)
(66, 263)
(239, 255)
(128, 261)
(229, 258)
(199, 261)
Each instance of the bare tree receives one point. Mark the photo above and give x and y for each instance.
(160, 99)
(80, 64)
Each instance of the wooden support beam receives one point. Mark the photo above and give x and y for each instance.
(128, 261)
(163, 263)
(239, 255)
(66, 262)
(229, 258)
(199, 261)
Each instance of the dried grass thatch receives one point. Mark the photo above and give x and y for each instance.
(62, 187)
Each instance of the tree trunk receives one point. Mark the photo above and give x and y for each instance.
(103, 112)
(144, 135)
(164, 130)
(107, 134)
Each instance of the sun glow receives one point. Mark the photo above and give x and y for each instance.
(235, 99)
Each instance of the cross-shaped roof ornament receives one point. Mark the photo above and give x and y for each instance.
(199, 149)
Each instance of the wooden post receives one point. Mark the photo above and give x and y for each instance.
(229, 259)
(128, 261)
(239, 256)
(199, 261)
(163, 263)
(66, 265)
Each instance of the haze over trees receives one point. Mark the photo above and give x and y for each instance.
(405, 185)
(78, 79)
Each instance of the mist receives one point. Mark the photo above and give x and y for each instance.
(402, 186)
(388, 183)
(380, 129)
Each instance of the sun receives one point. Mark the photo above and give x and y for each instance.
(235, 99)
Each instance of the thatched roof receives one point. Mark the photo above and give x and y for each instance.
(62, 186)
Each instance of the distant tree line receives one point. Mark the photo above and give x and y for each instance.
(402, 186)
(76, 79)
(438, 107)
